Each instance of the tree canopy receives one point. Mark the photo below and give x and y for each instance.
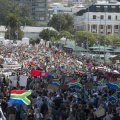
(66, 34)
(61, 22)
(82, 37)
(13, 16)
(21, 12)
(49, 35)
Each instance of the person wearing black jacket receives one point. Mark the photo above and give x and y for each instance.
(11, 112)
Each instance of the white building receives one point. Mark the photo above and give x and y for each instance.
(29, 31)
(100, 17)
(2, 31)
(56, 8)
(33, 32)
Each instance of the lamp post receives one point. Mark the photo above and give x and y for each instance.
(88, 27)
(92, 2)
(99, 35)
(105, 31)
(49, 25)
(9, 31)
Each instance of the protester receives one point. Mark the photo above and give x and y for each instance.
(64, 87)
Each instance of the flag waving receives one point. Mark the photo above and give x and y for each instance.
(56, 82)
(74, 83)
(20, 97)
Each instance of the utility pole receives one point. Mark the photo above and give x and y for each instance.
(88, 27)
(105, 32)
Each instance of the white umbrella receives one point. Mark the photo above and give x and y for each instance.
(79, 62)
(115, 71)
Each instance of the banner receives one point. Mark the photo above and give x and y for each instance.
(7, 74)
(23, 81)
(35, 73)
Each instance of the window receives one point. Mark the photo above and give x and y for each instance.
(101, 26)
(109, 17)
(97, 8)
(109, 26)
(116, 18)
(94, 16)
(113, 8)
(105, 8)
(116, 27)
(42, 18)
(102, 17)
(94, 26)
(77, 27)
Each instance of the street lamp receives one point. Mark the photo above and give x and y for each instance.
(105, 30)
(92, 2)
(99, 35)
(88, 27)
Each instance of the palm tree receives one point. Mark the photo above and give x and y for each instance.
(13, 25)
(67, 35)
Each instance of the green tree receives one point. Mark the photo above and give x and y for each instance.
(4, 10)
(84, 37)
(114, 40)
(61, 22)
(49, 35)
(18, 35)
(13, 16)
(101, 38)
(13, 24)
(34, 41)
(66, 35)
(26, 18)
(23, 12)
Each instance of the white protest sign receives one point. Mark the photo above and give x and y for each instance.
(7, 74)
(100, 112)
(23, 80)
(118, 78)
(94, 78)
(13, 79)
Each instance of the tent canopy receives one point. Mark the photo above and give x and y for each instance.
(75, 48)
(100, 47)
(117, 50)
(101, 50)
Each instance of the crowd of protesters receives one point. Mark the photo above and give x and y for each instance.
(89, 102)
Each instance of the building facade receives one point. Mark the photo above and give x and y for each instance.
(29, 31)
(57, 8)
(101, 17)
(38, 9)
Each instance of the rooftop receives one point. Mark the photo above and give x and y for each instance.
(112, 2)
(101, 6)
(34, 29)
(2, 29)
(28, 28)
